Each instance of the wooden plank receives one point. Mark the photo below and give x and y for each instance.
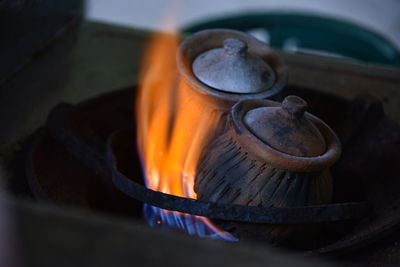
(49, 236)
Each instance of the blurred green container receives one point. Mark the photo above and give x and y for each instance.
(309, 33)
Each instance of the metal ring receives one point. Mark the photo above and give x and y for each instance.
(239, 213)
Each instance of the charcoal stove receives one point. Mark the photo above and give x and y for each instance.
(90, 146)
(80, 144)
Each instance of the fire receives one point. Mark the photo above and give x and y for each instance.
(173, 128)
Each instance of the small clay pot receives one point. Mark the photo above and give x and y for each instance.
(272, 155)
(222, 67)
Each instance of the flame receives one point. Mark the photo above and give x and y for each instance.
(173, 128)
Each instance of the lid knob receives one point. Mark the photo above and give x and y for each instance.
(233, 46)
(294, 105)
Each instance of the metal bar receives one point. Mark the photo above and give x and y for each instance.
(252, 214)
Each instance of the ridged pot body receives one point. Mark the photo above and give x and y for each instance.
(239, 168)
(228, 174)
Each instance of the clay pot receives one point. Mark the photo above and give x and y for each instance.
(272, 155)
(221, 67)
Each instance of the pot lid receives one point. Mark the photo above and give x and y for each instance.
(286, 128)
(233, 69)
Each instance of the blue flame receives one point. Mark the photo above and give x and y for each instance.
(192, 225)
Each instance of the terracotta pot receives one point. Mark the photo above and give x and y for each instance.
(195, 63)
(272, 155)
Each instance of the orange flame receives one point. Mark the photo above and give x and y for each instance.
(173, 126)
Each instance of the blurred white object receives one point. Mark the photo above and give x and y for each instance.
(261, 34)
(382, 16)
